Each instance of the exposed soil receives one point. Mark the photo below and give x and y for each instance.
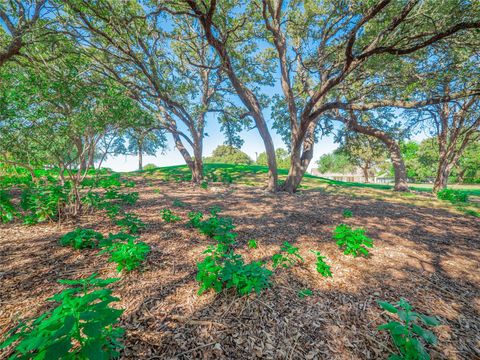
(429, 256)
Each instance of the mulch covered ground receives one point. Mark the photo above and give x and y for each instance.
(429, 256)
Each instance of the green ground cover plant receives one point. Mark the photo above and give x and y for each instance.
(322, 267)
(82, 326)
(288, 256)
(252, 244)
(222, 268)
(304, 293)
(128, 255)
(131, 223)
(81, 239)
(353, 241)
(452, 195)
(7, 209)
(169, 217)
(44, 202)
(408, 334)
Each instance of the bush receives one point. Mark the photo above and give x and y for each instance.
(195, 218)
(150, 167)
(347, 213)
(454, 196)
(82, 326)
(128, 255)
(113, 238)
(407, 334)
(44, 202)
(7, 210)
(179, 203)
(353, 241)
(81, 239)
(304, 293)
(222, 269)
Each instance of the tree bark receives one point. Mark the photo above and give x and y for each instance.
(441, 179)
(365, 173)
(91, 156)
(300, 158)
(399, 169)
(197, 169)
(140, 159)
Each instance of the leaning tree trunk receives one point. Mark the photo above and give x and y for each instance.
(197, 170)
(399, 169)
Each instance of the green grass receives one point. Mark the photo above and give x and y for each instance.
(255, 175)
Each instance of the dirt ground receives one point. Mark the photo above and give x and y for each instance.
(429, 256)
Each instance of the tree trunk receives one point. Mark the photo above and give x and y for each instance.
(461, 176)
(197, 169)
(140, 160)
(299, 162)
(140, 156)
(399, 169)
(91, 156)
(365, 174)
(441, 179)
(186, 156)
(246, 95)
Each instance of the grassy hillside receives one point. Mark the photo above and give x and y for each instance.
(255, 175)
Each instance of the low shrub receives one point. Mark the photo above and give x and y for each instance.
(179, 203)
(288, 257)
(131, 223)
(454, 196)
(407, 333)
(194, 218)
(347, 213)
(169, 217)
(44, 202)
(113, 238)
(81, 239)
(7, 209)
(81, 326)
(352, 241)
(150, 167)
(322, 267)
(225, 269)
(128, 255)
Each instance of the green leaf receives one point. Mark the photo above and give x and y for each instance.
(93, 350)
(429, 320)
(387, 306)
(59, 349)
